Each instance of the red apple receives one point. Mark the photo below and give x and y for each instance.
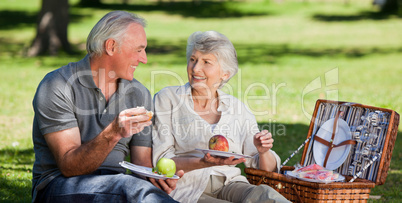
(219, 142)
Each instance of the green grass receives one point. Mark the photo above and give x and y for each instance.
(283, 47)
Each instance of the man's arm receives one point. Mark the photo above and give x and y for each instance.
(74, 158)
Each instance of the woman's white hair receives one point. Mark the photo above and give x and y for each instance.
(212, 42)
(112, 25)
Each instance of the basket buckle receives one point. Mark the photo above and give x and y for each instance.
(280, 186)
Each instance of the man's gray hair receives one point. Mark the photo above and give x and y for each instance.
(212, 42)
(112, 25)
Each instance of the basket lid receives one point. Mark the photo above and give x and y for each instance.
(373, 129)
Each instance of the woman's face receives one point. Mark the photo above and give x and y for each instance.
(204, 72)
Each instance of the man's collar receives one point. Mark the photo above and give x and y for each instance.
(85, 73)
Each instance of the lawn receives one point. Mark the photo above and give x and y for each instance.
(290, 53)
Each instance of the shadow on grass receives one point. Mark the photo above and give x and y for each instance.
(16, 19)
(197, 9)
(22, 19)
(254, 54)
(14, 156)
(262, 53)
(15, 190)
(12, 19)
(15, 174)
(155, 47)
(175, 53)
(287, 138)
(268, 53)
(364, 15)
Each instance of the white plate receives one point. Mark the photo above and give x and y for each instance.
(222, 154)
(144, 171)
(340, 178)
(338, 155)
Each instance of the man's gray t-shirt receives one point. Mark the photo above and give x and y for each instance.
(67, 98)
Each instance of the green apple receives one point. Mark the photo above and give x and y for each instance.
(166, 167)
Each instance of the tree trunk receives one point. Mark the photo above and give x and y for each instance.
(51, 31)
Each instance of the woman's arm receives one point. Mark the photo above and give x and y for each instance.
(162, 136)
(192, 163)
(263, 141)
(258, 144)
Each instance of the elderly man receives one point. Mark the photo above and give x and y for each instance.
(90, 115)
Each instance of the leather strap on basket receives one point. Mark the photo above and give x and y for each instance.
(297, 193)
(261, 180)
(330, 144)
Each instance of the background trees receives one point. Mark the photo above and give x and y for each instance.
(53, 19)
(51, 29)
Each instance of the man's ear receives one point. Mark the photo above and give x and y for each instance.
(110, 46)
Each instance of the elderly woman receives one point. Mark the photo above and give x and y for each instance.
(186, 117)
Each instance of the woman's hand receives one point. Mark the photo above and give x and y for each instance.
(215, 161)
(167, 185)
(263, 141)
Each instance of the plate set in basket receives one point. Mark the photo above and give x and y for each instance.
(351, 139)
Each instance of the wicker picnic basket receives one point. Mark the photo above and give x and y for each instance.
(365, 173)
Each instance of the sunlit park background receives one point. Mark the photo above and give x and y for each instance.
(291, 53)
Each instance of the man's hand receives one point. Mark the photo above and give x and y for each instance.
(263, 141)
(214, 161)
(167, 185)
(131, 121)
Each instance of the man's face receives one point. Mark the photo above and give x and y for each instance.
(130, 52)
